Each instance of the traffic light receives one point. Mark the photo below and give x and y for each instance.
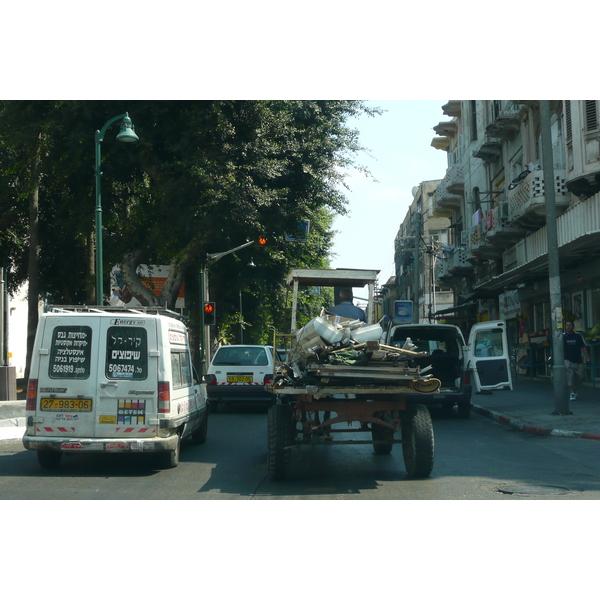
(261, 240)
(210, 313)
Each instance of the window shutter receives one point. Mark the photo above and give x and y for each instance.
(591, 115)
(568, 124)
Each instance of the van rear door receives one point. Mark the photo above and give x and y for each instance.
(489, 357)
(127, 383)
(67, 370)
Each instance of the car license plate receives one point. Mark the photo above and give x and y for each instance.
(73, 404)
(239, 379)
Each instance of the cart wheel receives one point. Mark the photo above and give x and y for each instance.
(417, 442)
(382, 436)
(280, 434)
(49, 460)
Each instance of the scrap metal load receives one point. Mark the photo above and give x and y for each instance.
(336, 352)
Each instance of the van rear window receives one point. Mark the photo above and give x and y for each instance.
(70, 352)
(126, 353)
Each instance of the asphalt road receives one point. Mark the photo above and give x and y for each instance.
(475, 459)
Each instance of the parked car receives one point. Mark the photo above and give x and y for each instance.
(238, 374)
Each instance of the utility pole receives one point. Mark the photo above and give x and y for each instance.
(561, 402)
(416, 229)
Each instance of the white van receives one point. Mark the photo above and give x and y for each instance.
(108, 379)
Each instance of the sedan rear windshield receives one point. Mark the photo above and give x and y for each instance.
(244, 357)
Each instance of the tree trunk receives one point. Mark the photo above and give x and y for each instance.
(33, 267)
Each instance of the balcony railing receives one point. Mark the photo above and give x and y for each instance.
(448, 192)
(505, 119)
(527, 202)
(489, 149)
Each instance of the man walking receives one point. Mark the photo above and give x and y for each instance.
(574, 346)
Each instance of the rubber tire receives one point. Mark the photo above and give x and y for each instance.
(418, 443)
(279, 434)
(169, 460)
(49, 460)
(199, 434)
(382, 434)
(464, 410)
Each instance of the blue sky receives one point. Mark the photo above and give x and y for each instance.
(400, 158)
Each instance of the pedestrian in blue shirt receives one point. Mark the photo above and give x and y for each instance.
(346, 309)
(575, 346)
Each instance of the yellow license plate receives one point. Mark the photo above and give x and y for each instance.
(239, 379)
(73, 404)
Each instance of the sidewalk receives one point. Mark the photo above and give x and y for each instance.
(527, 407)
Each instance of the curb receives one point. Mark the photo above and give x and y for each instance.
(521, 426)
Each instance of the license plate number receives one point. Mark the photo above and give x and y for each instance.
(74, 404)
(239, 379)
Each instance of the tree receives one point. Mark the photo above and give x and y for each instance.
(205, 177)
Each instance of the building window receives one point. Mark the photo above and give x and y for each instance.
(473, 120)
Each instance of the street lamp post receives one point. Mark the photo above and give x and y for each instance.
(127, 134)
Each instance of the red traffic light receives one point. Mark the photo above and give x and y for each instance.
(261, 241)
(210, 313)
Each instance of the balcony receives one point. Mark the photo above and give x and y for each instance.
(479, 246)
(527, 202)
(489, 149)
(448, 193)
(458, 263)
(500, 232)
(447, 129)
(452, 108)
(505, 121)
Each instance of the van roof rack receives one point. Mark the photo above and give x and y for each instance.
(152, 310)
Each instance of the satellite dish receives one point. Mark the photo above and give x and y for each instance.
(414, 191)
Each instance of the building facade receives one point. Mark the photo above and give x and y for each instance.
(421, 238)
(494, 198)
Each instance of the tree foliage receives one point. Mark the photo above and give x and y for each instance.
(204, 177)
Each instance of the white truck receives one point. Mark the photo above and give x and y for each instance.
(112, 380)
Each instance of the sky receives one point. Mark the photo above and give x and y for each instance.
(400, 157)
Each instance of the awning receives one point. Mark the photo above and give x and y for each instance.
(464, 308)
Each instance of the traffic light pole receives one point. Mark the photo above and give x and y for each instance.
(210, 259)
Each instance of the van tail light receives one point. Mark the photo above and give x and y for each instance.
(466, 377)
(32, 388)
(164, 397)
(210, 379)
(268, 379)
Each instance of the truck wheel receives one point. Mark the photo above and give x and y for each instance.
(169, 460)
(280, 434)
(49, 460)
(464, 410)
(199, 434)
(417, 442)
(382, 436)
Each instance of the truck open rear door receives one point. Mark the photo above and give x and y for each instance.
(490, 360)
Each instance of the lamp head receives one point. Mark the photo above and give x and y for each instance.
(251, 263)
(127, 133)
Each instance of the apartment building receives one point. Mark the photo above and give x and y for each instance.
(420, 240)
(494, 198)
